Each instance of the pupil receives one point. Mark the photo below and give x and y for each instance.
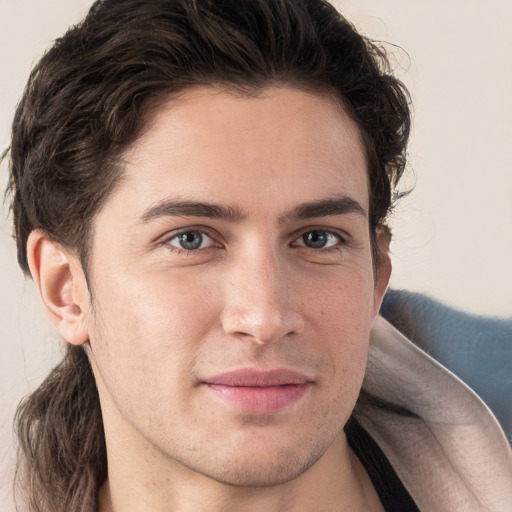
(191, 240)
(315, 239)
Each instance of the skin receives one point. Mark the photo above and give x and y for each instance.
(162, 320)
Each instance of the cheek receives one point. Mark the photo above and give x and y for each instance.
(155, 309)
(342, 301)
(146, 335)
(340, 315)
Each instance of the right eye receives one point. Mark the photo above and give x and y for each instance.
(190, 240)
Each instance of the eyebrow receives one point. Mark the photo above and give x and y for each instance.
(339, 205)
(179, 208)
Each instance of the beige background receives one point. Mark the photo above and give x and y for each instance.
(452, 235)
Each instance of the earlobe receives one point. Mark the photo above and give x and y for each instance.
(382, 266)
(62, 286)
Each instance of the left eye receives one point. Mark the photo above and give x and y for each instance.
(319, 239)
(191, 240)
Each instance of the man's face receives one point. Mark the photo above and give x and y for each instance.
(232, 283)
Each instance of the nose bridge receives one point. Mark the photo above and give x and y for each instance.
(258, 304)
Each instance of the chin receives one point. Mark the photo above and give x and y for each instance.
(259, 464)
(257, 474)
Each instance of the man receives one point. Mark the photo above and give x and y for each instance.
(199, 193)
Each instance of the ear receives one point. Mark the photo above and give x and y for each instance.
(62, 286)
(382, 266)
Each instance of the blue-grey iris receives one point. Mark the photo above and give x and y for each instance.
(190, 240)
(315, 239)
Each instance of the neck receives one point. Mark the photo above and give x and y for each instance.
(141, 480)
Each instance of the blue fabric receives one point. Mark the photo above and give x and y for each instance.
(477, 349)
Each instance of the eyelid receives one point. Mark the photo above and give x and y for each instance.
(339, 239)
(204, 239)
(343, 236)
(204, 230)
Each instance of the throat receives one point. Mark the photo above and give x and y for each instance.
(337, 482)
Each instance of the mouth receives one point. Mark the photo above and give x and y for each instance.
(254, 391)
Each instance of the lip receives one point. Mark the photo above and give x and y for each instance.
(257, 391)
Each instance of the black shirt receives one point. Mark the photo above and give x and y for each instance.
(392, 493)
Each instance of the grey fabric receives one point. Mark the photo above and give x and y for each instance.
(477, 349)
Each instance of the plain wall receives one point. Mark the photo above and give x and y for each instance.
(452, 235)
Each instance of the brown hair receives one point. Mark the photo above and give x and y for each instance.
(85, 102)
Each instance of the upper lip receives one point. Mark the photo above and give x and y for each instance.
(251, 377)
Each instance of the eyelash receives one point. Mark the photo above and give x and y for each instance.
(201, 230)
(339, 246)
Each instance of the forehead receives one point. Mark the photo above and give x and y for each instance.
(264, 153)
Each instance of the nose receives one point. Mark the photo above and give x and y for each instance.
(259, 302)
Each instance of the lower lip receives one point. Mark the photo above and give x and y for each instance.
(260, 399)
